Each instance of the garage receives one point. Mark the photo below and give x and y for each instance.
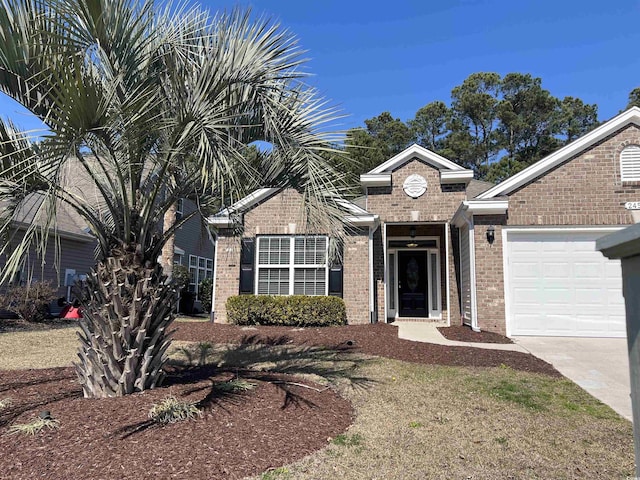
(557, 284)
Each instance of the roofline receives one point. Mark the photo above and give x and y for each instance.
(456, 176)
(468, 208)
(356, 215)
(422, 153)
(375, 179)
(80, 237)
(542, 166)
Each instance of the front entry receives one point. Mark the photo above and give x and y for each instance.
(413, 284)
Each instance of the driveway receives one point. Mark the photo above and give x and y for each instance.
(598, 365)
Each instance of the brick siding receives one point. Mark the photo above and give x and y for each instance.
(282, 214)
(584, 190)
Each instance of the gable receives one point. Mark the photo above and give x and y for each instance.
(449, 171)
(574, 149)
(586, 189)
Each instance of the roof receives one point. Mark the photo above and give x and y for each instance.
(476, 187)
(355, 214)
(450, 172)
(538, 169)
(416, 151)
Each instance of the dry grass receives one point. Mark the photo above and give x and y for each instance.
(418, 421)
(38, 349)
(446, 422)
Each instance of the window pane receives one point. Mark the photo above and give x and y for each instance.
(310, 251)
(201, 262)
(392, 281)
(273, 250)
(309, 281)
(273, 281)
(434, 282)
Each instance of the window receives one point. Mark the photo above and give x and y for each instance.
(292, 265)
(630, 164)
(199, 269)
(179, 208)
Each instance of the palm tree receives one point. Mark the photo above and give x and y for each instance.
(145, 106)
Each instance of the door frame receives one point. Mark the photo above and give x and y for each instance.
(392, 290)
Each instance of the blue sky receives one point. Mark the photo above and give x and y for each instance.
(373, 56)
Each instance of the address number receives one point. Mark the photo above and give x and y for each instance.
(632, 205)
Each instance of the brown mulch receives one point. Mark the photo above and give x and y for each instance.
(379, 339)
(463, 333)
(238, 435)
(111, 438)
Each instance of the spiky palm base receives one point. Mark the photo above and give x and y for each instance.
(127, 308)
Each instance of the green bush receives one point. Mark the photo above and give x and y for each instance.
(204, 294)
(292, 311)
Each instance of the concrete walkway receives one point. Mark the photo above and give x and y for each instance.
(598, 365)
(428, 333)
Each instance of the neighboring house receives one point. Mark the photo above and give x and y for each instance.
(431, 243)
(72, 256)
(194, 248)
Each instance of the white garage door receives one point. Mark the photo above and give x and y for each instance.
(559, 285)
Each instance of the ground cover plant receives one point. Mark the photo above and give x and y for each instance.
(346, 413)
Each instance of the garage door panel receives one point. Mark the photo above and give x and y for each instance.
(526, 270)
(588, 270)
(555, 296)
(558, 284)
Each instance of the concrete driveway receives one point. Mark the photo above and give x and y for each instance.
(598, 365)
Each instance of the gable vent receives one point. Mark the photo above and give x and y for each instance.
(630, 164)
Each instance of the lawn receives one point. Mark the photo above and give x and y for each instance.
(410, 420)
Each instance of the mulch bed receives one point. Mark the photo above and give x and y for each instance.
(463, 333)
(379, 339)
(239, 435)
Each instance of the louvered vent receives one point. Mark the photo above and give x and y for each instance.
(630, 163)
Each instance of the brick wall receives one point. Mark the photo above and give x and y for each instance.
(356, 276)
(489, 274)
(585, 190)
(282, 214)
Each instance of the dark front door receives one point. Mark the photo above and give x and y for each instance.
(412, 284)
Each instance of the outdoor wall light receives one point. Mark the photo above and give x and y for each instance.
(491, 234)
(412, 231)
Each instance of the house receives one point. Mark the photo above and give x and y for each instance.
(429, 242)
(72, 256)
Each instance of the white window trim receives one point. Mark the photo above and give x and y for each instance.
(291, 266)
(634, 165)
(196, 265)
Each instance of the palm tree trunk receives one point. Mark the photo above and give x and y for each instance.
(127, 310)
(168, 249)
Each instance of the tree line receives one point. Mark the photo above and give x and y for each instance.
(494, 125)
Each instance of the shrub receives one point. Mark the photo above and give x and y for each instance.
(293, 311)
(172, 410)
(204, 294)
(30, 302)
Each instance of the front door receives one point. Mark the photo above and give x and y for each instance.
(412, 284)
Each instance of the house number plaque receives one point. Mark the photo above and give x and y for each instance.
(632, 205)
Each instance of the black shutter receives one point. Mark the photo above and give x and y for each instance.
(247, 257)
(336, 272)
